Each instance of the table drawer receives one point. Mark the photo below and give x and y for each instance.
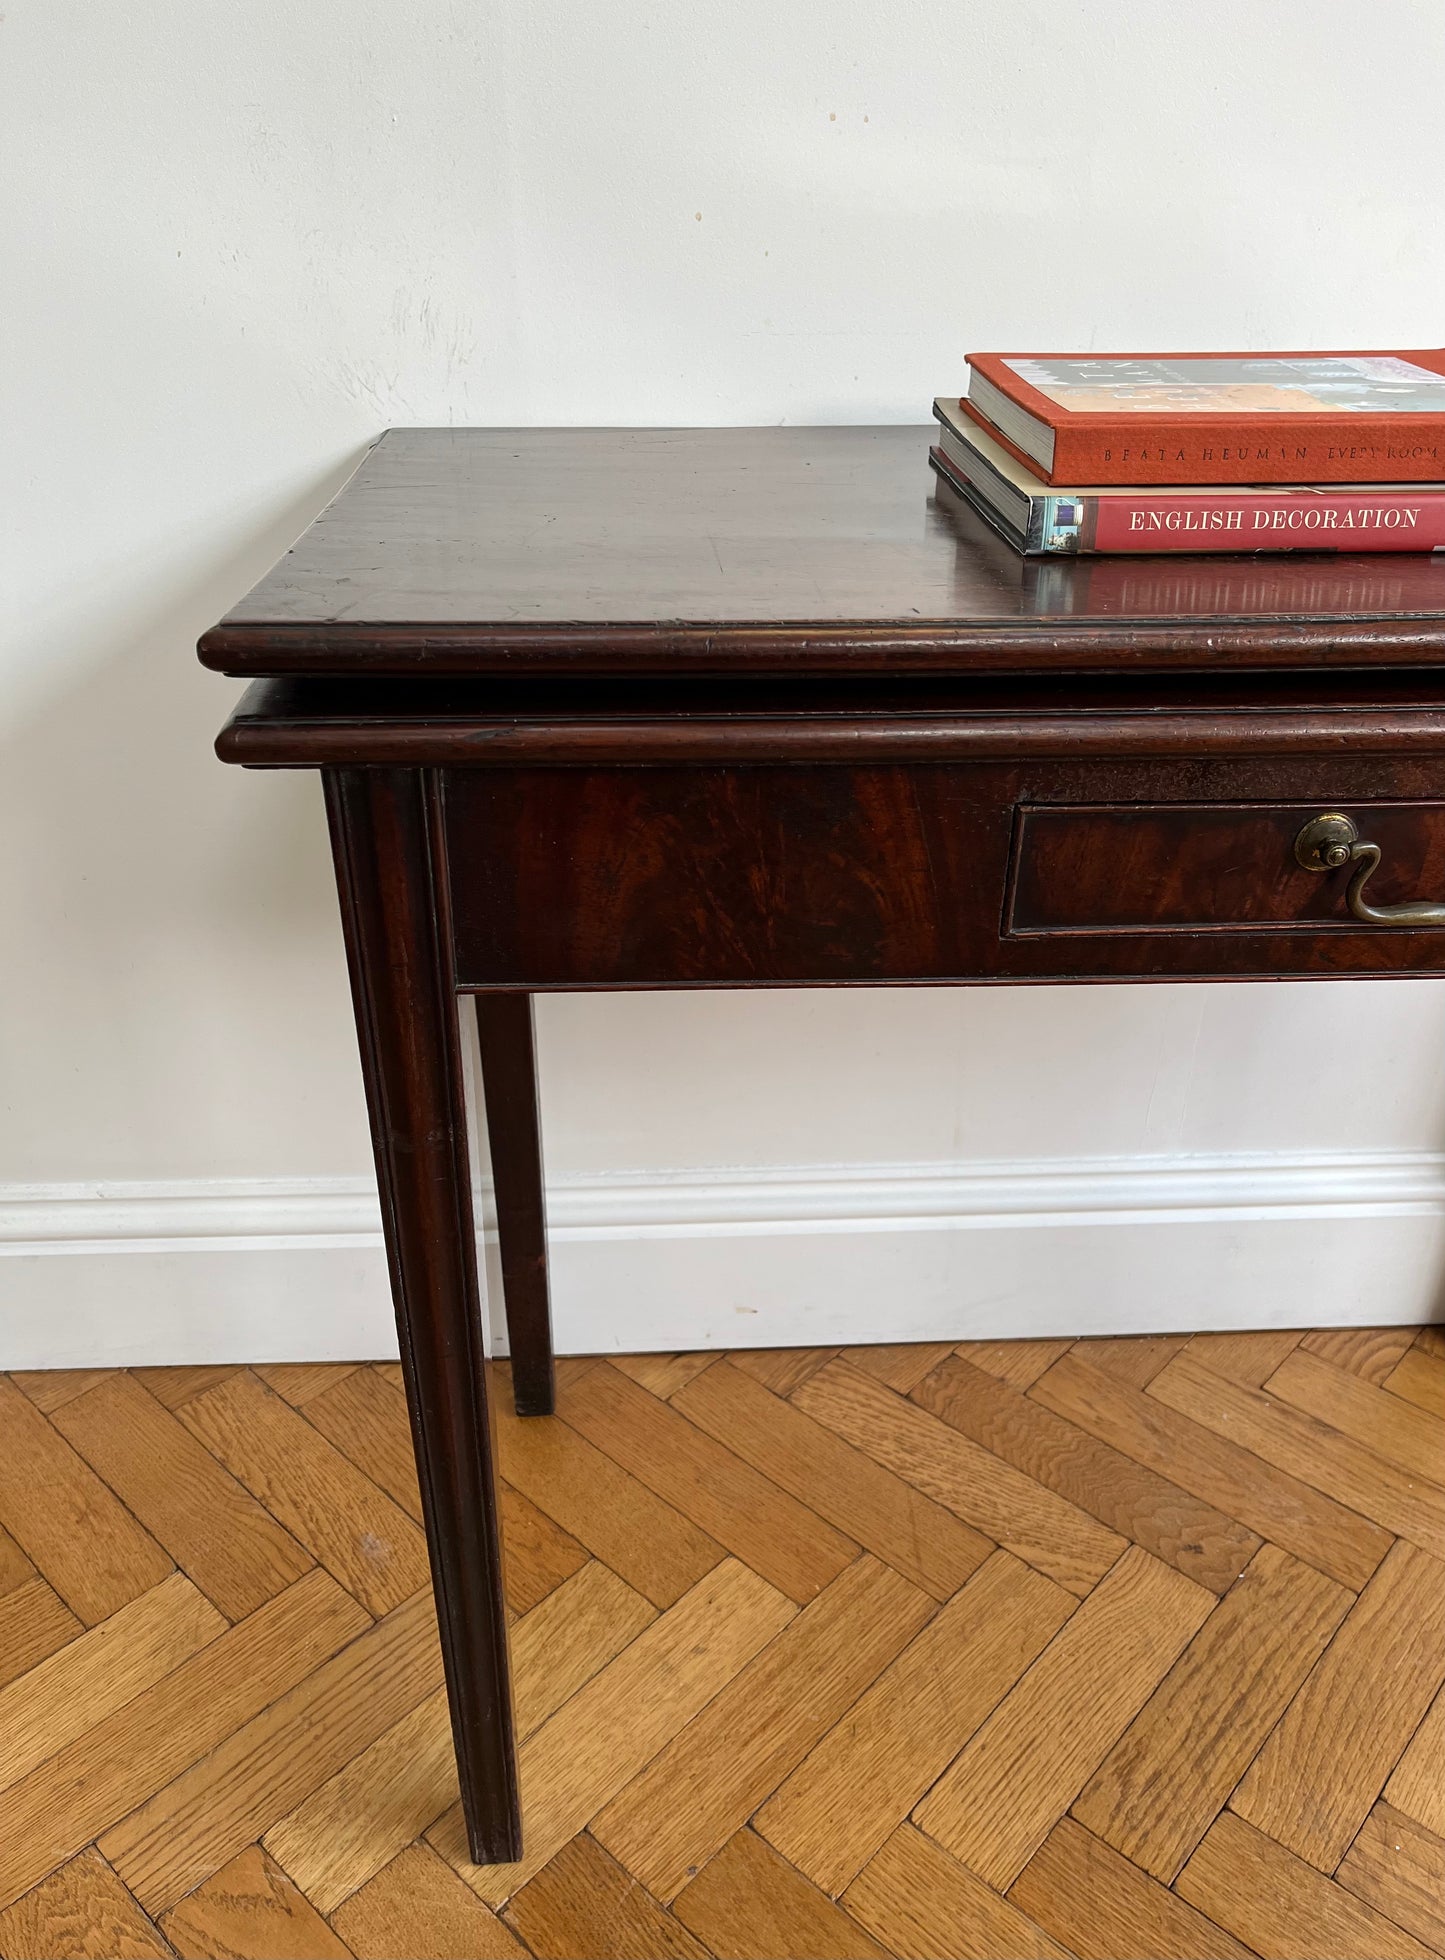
(723, 876)
(1222, 868)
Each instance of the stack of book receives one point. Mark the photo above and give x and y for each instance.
(1202, 452)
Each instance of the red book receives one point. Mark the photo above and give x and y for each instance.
(1044, 520)
(1217, 418)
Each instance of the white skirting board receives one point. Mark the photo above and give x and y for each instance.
(292, 1270)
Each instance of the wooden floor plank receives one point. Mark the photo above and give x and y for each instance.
(781, 1369)
(297, 1382)
(1281, 1906)
(1306, 1448)
(645, 1541)
(172, 1386)
(584, 1906)
(1171, 1772)
(1249, 1357)
(34, 1622)
(919, 1538)
(662, 1374)
(15, 1568)
(1312, 1784)
(419, 1907)
(1063, 1542)
(610, 1730)
(98, 1673)
(1132, 1358)
(365, 1416)
(213, 1527)
(345, 1520)
(786, 1541)
(49, 1388)
(747, 1904)
(1369, 1352)
(1419, 1378)
(1142, 1506)
(1019, 1363)
(900, 1368)
(80, 1910)
(1034, 1754)
(1398, 1867)
(709, 1779)
(1381, 1420)
(1290, 1513)
(355, 1823)
(250, 1908)
(845, 1798)
(1101, 1907)
(918, 1900)
(1418, 1784)
(270, 1764)
(74, 1796)
(79, 1535)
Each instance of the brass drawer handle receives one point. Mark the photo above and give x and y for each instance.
(1333, 840)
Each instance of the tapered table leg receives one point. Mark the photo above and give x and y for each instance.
(392, 882)
(509, 1084)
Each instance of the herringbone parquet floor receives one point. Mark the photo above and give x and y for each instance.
(1113, 1648)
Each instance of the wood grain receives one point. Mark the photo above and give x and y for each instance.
(1395, 1429)
(49, 1388)
(1420, 1379)
(921, 1902)
(90, 1548)
(1282, 1508)
(1418, 1784)
(1101, 1906)
(1283, 1908)
(250, 1908)
(1062, 1541)
(75, 1795)
(662, 1374)
(786, 1541)
(1398, 1867)
(909, 1531)
(213, 1528)
(76, 1688)
(1246, 1357)
(270, 1764)
(844, 1799)
(83, 1912)
(710, 1779)
(1369, 1352)
(34, 1622)
(781, 1369)
(1034, 1754)
(1135, 1359)
(297, 1382)
(1019, 1363)
(1171, 1772)
(1306, 1448)
(1175, 1526)
(645, 1541)
(598, 1741)
(748, 1904)
(419, 1905)
(350, 1525)
(1365, 1699)
(584, 1906)
(389, 1794)
(901, 1368)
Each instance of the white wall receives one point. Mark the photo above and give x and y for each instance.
(240, 239)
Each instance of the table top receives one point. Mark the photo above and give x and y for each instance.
(679, 552)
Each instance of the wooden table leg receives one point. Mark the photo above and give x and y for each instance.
(507, 1044)
(394, 908)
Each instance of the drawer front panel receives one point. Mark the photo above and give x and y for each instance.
(1201, 867)
(792, 875)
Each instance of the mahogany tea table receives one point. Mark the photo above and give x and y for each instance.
(772, 708)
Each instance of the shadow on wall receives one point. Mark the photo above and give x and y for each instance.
(171, 936)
